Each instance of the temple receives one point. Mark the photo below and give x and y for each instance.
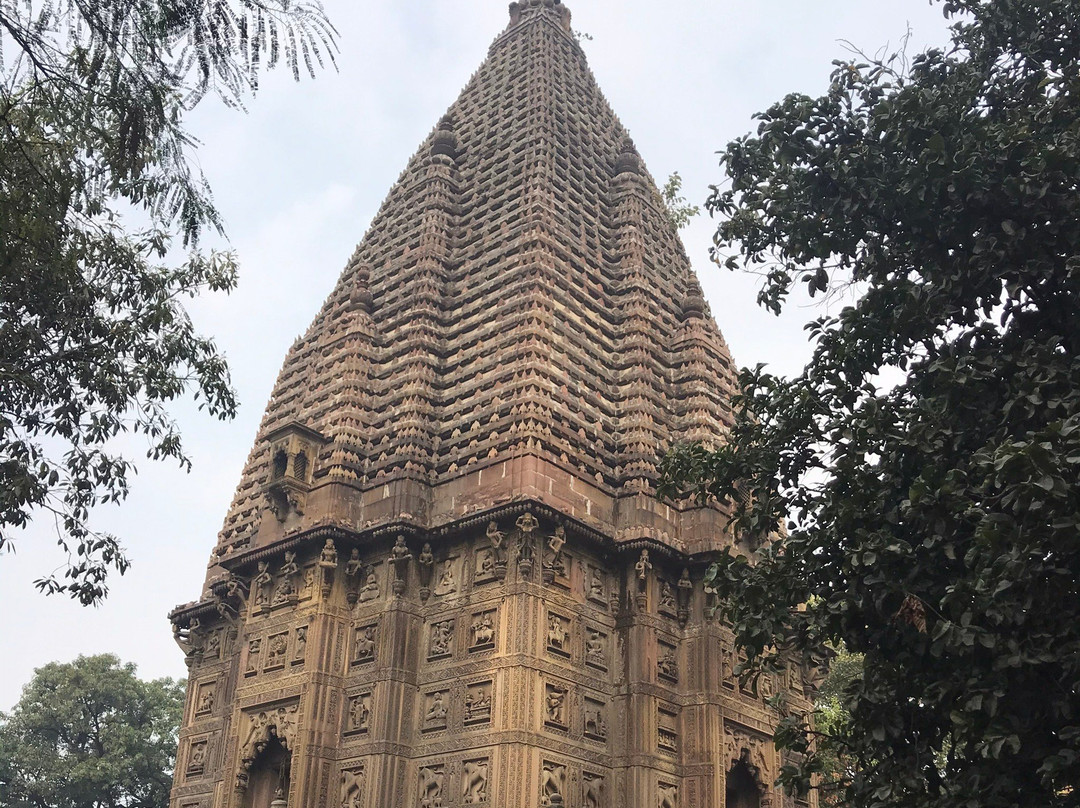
(445, 578)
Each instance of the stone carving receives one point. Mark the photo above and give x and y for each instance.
(595, 723)
(370, 590)
(558, 634)
(552, 784)
(667, 663)
(667, 736)
(263, 727)
(354, 567)
(642, 568)
(667, 598)
(555, 705)
(286, 591)
(727, 666)
(442, 639)
(475, 781)
(400, 558)
(596, 585)
(485, 565)
(260, 586)
(207, 699)
(478, 703)
(436, 710)
(592, 790)
(686, 589)
(483, 631)
(254, 652)
(431, 786)
(427, 565)
(447, 584)
(596, 648)
(526, 524)
(553, 562)
(197, 758)
(328, 562)
(300, 649)
(498, 548)
(352, 788)
(276, 648)
(359, 718)
(740, 746)
(213, 646)
(667, 796)
(365, 644)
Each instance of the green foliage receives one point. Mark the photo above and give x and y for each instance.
(90, 734)
(678, 210)
(931, 526)
(94, 337)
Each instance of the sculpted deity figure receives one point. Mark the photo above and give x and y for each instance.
(447, 580)
(498, 542)
(667, 598)
(399, 560)
(596, 584)
(427, 564)
(437, 710)
(370, 590)
(555, 701)
(643, 566)
(260, 585)
(442, 637)
(554, 563)
(596, 648)
(365, 643)
(359, 713)
(290, 571)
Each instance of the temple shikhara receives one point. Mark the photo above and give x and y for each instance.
(445, 579)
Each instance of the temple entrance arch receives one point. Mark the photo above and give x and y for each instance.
(742, 788)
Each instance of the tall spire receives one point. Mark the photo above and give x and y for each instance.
(521, 293)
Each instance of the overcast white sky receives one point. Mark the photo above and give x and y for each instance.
(299, 178)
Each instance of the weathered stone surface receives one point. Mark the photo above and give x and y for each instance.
(444, 579)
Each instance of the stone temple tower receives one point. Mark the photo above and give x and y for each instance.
(445, 579)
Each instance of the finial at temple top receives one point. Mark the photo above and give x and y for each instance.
(520, 11)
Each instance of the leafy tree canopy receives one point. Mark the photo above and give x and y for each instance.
(94, 337)
(90, 734)
(931, 526)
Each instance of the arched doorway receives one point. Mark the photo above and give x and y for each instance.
(268, 775)
(742, 788)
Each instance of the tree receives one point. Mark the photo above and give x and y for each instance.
(675, 203)
(930, 524)
(94, 338)
(90, 734)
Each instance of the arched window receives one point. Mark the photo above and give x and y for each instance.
(299, 466)
(742, 788)
(281, 463)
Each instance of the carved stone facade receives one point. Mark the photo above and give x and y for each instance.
(445, 579)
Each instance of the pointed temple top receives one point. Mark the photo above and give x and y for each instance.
(520, 321)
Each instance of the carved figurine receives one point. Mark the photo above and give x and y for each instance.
(197, 760)
(436, 711)
(485, 563)
(328, 562)
(668, 797)
(595, 724)
(301, 643)
(352, 788)
(359, 713)
(477, 704)
(556, 633)
(552, 784)
(447, 584)
(431, 786)
(206, 700)
(483, 631)
(553, 557)
(474, 784)
(427, 564)
(527, 523)
(593, 791)
(596, 584)
(642, 567)
(365, 643)
(667, 598)
(400, 558)
(596, 648)
(442, 638)
(260, 585)
(370, 589)
(667, 665)
(498, 543)
(555, 703)
(686, 589)
(287, 588)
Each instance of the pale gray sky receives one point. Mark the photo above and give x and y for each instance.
(299, 178)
